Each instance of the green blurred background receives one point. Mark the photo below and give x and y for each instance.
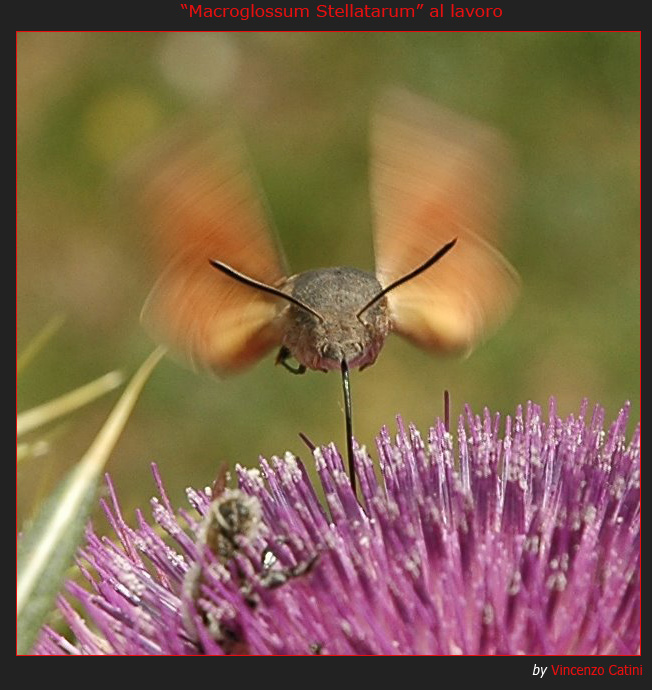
(568, 101)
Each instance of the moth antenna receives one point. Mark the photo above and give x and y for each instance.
(251, 282)
(412, 274)
(346, 387)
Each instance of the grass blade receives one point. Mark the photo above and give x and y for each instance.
(37, 343)
(47, 549)
(43, 414)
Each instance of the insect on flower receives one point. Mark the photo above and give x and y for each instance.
(232, 519)
(437, 188)
(225, 537)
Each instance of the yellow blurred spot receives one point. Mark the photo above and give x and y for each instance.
(117, 121)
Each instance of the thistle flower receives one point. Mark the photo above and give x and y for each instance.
(520, 542)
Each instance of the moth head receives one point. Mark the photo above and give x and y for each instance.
(339, 336)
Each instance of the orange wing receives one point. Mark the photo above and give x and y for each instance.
(200, 205)
(437, 176)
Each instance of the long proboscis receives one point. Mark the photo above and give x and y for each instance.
(408, 276)
(252, 282)
(346, 387)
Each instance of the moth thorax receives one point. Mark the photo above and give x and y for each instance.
(337, 295)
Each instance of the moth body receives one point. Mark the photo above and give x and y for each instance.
(341, 334)
(437, 181)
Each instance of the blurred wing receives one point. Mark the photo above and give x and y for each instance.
(200, 205)
(437, 176)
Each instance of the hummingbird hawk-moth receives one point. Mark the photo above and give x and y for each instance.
(437, 186)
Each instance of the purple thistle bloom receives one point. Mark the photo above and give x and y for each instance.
(526, 543)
